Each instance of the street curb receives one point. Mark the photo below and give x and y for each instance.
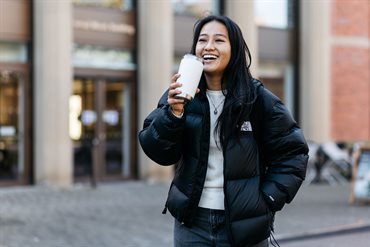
(324, 232)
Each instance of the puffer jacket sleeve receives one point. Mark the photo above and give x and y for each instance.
(161, 136)
(285, 152)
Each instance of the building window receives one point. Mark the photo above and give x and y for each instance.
(115, 4)
(89, 56)
(13, 52)
(195, 7)
(271, 13)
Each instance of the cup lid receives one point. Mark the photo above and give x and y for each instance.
(191, 56)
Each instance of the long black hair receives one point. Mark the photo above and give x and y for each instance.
(237, 81)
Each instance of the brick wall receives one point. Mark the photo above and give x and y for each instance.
(350, 17)
(350, 70)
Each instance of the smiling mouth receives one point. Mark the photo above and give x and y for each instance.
(209, 57)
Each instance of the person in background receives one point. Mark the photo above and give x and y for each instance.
(238, 153)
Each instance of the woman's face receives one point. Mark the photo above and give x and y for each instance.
(214, 47)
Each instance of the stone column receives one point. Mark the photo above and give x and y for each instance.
(242, 12)
(52, 89)
(155, 52)
(315, 69)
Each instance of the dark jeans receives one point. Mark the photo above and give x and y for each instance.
(208, 230)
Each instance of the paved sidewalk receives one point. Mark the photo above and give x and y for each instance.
(321, 215)
(128, 214)
(113, 215)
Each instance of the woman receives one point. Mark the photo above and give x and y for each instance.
(239, 155)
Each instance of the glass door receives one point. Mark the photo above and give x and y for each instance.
(117, 126)
(11, 127)
(100, 129)
(82, 126)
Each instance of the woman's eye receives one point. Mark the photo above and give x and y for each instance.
(220, 40)
(201, 40)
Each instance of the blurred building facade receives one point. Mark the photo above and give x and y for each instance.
(78, 77)
(335, 70)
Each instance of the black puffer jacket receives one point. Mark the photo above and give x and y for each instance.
(262, 172)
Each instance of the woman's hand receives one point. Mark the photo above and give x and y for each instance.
(176, 104)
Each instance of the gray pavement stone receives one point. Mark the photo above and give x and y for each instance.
(128, 214)
(321, 216)
(320, 208)
(124, 214)
(359, 239)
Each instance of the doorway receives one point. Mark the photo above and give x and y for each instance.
(14, 128)
(100, 124)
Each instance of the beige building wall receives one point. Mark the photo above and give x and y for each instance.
(52, 88)
(315, 70)
(155, 59)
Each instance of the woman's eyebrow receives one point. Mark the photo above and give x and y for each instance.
(217, 34)
(221, 34)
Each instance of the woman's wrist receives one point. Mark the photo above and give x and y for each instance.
(177, 113)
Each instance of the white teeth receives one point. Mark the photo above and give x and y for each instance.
(208, 56)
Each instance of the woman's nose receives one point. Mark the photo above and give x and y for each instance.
(209, 46)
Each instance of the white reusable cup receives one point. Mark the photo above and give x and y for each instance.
(190, 70)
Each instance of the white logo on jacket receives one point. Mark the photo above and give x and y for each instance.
(246, 126)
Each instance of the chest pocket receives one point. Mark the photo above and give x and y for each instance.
(241, 155)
